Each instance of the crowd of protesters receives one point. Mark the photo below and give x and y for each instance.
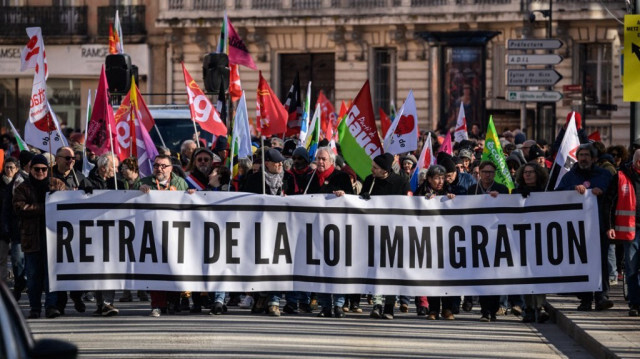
(27, 176)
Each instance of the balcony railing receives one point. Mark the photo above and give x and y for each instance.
(132, 19)
(54, 20)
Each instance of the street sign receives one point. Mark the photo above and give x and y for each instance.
(530, 77)
(572, 88)
(601, 106)
(533, 96)
(546, 59)
(533, 44)
(631, 52)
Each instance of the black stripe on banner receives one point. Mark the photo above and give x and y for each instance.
(315, 279)
(304, 209)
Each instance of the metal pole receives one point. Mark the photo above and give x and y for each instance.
(553, 104)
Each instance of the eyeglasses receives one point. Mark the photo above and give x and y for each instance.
(160, 166)
(529, 172)
(67, 158)
(10, 168)
(487, 172)
(203, 159)
(40, 169)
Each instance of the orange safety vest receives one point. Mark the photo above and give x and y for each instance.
(625, 215)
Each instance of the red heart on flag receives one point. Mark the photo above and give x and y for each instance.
(406, 125)
(45, 124)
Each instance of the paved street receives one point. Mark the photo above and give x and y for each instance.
(239, 333)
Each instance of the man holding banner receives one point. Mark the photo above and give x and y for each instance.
(162, 179)
(586, 175)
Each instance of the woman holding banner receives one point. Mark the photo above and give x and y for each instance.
(532, 178)
(434, 186)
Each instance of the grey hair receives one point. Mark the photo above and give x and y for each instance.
(587, 146)
(327, 149)
(185, 143)
(436, 170)
(103, 160)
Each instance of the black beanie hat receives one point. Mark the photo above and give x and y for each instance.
(448, 164)
(385, 161)
(24, 157)
(39, 160)
(535, 152)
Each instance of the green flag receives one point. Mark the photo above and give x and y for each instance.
(21, 144)
(493, 152)
(358, 134)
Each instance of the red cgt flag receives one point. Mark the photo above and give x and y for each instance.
(328, 117)
(272, 116)
(202, 111)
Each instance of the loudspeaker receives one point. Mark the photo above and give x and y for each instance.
(118, 71)
(215, 70)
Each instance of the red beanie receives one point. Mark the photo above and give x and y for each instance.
(578, 119)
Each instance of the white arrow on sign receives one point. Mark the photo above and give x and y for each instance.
(546, 59)
(533, 96)
(532, 44)
(533, 77)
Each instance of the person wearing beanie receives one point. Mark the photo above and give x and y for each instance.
(289, 147)
(382, 182)
(537, 155)
(28, 205)
(408, 164)
(301, 171)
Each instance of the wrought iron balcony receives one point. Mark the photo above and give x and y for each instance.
(54, 20)
(132, 19)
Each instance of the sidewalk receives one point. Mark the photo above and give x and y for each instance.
(606, 334)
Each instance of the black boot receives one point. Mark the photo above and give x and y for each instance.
(388, 311)
(376, 313)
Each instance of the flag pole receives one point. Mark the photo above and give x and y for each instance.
(159, 135)
(233, 150)
(113, 159)
(86, 132)
(264, 190)
(195, 132)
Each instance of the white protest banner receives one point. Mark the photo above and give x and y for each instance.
(213, 241)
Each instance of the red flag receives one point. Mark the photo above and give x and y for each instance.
(595, 136)
(238, 53)
(123, 127)
(328, 117)
(102, 123)
(385, 122)
(201, 108)
(343, 110)
(235, 88)
(112, 40)
(272, 116)
(362, 122)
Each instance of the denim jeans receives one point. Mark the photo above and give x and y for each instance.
(324, 300)
(38, 281)
(18, 267)
(631, 266)
(273, 298)
(611, 263)
(380, 299)
(293, 298)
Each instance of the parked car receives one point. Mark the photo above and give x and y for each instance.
(16, 340)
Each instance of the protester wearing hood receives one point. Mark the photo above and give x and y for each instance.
(300, 170)
(435, 185)
(408, 164)
(586, 175)
(456, 182)
(513, 164)
(28, 204)
(382, 182)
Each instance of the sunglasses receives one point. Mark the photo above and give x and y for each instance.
(67, 158)
(160, 166)
(203, 159)
(40, 169)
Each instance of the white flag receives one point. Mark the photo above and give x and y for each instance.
(402, 136)
(460, 132)
(425, 161)
(566, 156)
(241, 134)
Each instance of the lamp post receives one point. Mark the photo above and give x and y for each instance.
(548, 14)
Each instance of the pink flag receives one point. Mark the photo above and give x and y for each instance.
(102, 123)
(238, 52)
(446, 146)
(147, 150)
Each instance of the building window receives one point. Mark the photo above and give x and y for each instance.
(319, 68)
(384, 72)
(595, 75)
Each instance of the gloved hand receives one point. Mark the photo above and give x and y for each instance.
(525, 193)
(365, 196)
(88, 190)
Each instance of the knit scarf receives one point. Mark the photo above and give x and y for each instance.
(274, 181)
(322, 176)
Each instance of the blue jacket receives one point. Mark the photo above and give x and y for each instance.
(591, 178)
(462, 183)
